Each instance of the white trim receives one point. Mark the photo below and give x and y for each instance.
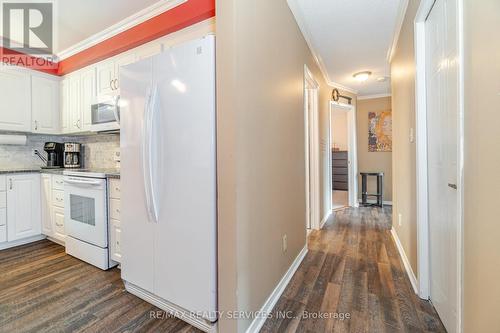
(373, 201)
(171, 308)
(125, 24)
(403, 6)
(325, 218)
(406, 262)
(360, 98)
(271, 301)
(23, 241)
(293, 5)
(422, 172)
(352, 151)
(312, 157)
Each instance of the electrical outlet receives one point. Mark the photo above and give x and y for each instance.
(400, 219)
(284, 245)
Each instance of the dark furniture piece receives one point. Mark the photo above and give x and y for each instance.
(380, 189)
(340, 171)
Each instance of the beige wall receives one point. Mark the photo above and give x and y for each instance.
(482, 165)
(339, 129)
(261, 186)
(403, 151)
(373, 161)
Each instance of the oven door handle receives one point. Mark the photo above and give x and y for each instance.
(82, 182)
(147, 141)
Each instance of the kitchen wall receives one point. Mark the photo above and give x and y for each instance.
(261, 149)
(482, 163)
(373, 161)
(404, 151)
(99, 150)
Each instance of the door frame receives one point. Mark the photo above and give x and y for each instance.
(421, 159)
(311, 136)
(352, 154)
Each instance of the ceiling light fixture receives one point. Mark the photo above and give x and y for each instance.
(362, 76)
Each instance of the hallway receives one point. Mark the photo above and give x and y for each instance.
(353, 270)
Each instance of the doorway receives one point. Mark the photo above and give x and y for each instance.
(311, 115)
(343, 156)
(439, 157)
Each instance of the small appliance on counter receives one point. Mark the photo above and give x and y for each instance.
(54, 152)
(72, 155)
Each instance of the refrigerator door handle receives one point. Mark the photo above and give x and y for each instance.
(147, 138)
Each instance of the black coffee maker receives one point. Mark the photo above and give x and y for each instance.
(54, 154)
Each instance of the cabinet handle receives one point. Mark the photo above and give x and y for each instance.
(116, 84)
(59, 225)
(36, 125)
(10, 183)
(78, 124)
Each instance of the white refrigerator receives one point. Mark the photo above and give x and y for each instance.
(168, 180)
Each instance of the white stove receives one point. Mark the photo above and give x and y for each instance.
(86, 216)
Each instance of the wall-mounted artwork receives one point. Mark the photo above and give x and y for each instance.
(380, 131)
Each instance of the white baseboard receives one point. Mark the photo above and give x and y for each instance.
(171, 308)
(323, 221)
(373, 201)
(271, 301)
(19, 242)
(406, 262)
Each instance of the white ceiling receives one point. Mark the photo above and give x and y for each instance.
(80, 19)
(349, 36)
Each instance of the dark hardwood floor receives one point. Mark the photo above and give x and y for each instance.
(42, 289)
(352, 267)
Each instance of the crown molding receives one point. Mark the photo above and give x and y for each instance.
(125, 24)
(403, 5)
(360, 98)
(294, 8)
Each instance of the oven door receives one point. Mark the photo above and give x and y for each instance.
(85, 214)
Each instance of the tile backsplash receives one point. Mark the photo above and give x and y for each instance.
(98, 150)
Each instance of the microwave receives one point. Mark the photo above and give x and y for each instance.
(105, 114)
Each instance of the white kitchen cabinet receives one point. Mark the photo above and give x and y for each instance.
(65, 106)
(148, 50)
(45, 105)
(114, 220)
(23, 206)
(46, 204)
(87, 96)
(105, 77)
(15, 106)
(3, 210)
(58, 223)
(74, 104)
(121, 60)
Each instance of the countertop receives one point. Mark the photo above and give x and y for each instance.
(110, 173)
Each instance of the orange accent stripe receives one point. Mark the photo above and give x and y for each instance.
(184, 15)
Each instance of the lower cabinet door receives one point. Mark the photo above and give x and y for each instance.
(46, 202)
(58, 219)
(115, 245)
(23, 206)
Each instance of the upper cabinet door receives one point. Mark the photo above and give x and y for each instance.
(15, 106)
(120, 61)
(23, 206)
(149, 50)
(87, 97)
(45, 105)
(74, 105)
(106, 77)
(65, 106)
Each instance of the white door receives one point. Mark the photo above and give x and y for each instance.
(87, 97)
(183, 163)
(45, 105)
(46, 204)
(137, 229)
(15, 106)
(74, 104)
(65, 106)
(105, 75)
(443, 145)
(23, 206)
